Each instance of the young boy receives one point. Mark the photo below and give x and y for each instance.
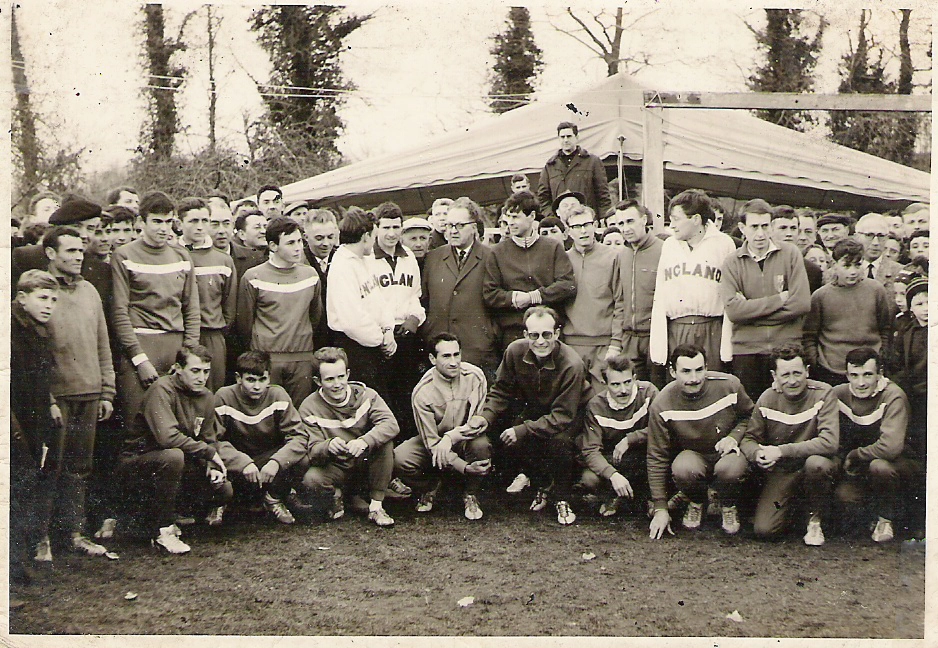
(256, 421)
(32, 408)
(850, 312)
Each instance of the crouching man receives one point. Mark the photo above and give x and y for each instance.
(792, 436)
(350, 432)
(612, 444)
(256, 421)
(694, 429)
(444, 400)
(547, 380)
(171, 449)
(874, 416)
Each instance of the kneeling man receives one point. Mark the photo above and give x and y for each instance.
(613, 440)
(694, 429)
(547, 379)
(257, 421)
(444, 400)
(350, 431)
(171, 447)
(792, 435)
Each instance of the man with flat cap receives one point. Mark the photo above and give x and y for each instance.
(573, 169)
(415, 236)
(833, 228)
(567, 202)
(84, 216)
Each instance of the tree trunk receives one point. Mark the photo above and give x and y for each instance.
(27, 142)
(212, 96)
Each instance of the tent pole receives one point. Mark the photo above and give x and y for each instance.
(653, 164)
(621, 146)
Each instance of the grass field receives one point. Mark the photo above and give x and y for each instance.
(528, 576)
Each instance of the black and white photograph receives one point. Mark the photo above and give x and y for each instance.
(567, 325)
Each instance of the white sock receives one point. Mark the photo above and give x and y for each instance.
(375, 505)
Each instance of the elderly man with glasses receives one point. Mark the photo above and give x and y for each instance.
(546, 381)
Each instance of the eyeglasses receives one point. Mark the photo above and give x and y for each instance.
(458, 226)
(581, 226)
(534, 335)
(875, 236)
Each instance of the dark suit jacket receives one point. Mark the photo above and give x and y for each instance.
(245, 258)
(453, 301)
(323, 335)
(815, 275)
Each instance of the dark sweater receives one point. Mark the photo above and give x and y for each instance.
(842, 319)
(544, 266)
(250, 428)
(31, 369)
(605, 427)
(874, 426)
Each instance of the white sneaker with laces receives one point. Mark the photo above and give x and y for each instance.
(380, 517)
(107, 529)
(815, 535)
(518, 484)
(43, 550)
(278, 509)
(565, 514)
(398, 490)
(883, 531)
(215, 516)
(425, 502)
(473, 510)
(82, 544)
(730, 520)
(693, 515)
(540, 501)
(169, 540)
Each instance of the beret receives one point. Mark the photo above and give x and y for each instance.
(75, 210)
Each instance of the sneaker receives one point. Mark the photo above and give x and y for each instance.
(107, 529)
(175, 530)
(610, 507)
(540, 500)
(296, 504)
(278, 509)
(883, 531)
(169, 540)
(473, 510)
(518, 484)
(84, 545)
(678, 500)
(815, 535)
(425, 502)
(398, 490)
(43, 551)
(380, 517)
(730, 520)
(184, 520)
(338, 505)
(215, 516)
(565, 514)
(693, 515)
(713, 503)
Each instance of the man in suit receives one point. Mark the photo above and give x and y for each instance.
(321, 231)
(452, 288)
(872, 231)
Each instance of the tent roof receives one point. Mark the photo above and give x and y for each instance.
(729, 152)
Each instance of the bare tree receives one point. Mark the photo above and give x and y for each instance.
(213, 24)
(602, 33)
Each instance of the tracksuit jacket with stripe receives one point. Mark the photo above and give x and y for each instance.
(607, 425)
(677, 422)
(217, 281)
(249, 428)
(278, 309)
(874, 426)
(364, 415)
(637, 273)
(800, 428)
(154, 291)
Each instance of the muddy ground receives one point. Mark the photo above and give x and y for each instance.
(527, 575)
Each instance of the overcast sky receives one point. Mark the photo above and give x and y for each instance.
(421, 68)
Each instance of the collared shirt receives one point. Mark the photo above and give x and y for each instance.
(614, 405)
(399, 251)
(762, 257)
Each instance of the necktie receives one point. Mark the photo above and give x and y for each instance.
(869, 271)
(461, 258)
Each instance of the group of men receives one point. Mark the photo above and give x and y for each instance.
(310, 362)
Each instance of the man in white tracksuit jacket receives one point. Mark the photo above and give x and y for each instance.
(688, 307)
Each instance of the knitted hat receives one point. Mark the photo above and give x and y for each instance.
(75, 210)
(917, 285)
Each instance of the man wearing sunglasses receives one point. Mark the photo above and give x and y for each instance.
(546, 379)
